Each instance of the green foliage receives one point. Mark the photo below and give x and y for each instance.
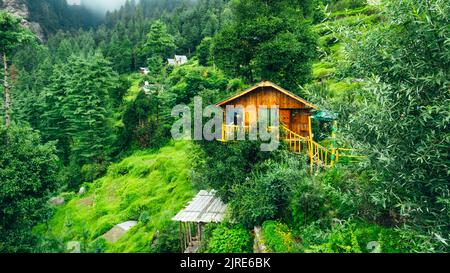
(78, 109)
(267, 42)
(266, 193)
(335, 194)
(142, 121)
(354, 237)
(155, 183)
(339, 5)
(12, 33)
(29, 176)
(118, 92)
(91, 172)
(222, 166)
(227, 238)
(168, 240)
(204, 52)
(159, 43)
(402, 124)
(188, 81)
(278, 237)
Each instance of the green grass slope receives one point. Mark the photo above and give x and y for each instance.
(332, 33)
(149, 187)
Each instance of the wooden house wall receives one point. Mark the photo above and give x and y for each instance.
(293, 113)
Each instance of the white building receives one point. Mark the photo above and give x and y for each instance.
(178, 60)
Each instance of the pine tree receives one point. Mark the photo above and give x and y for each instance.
(159, 42)
(267, 40)
(87, 108)
(77, 109)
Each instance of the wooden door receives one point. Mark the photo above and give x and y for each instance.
(285, 117)
(300, 123)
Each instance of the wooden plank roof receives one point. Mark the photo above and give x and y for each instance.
(204, 208)
(267, 84)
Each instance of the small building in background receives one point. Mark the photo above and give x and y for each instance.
(144, 70)
(178, 60)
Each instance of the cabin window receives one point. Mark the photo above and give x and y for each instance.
(235, 116)
(269, 116)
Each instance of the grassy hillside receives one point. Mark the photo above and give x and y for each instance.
(332, 33)
(149, 187)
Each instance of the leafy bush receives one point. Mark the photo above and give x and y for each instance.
(230, 239)
(339, 5)
(222, 166)
(167, 240)
(91, 172)
(266, 193)
(402, 124)
(356, 237)
(29, 177)
(335, 194)
(278, 237)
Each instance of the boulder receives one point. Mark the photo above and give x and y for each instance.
(82, 191)
(57, 201)
(118, 231)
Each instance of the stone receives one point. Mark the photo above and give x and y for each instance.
(259, 246)
(20, 9)
(57, 201)
(82, 191)
(74, 247)
(118, 231)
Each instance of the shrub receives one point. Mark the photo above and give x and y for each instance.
(278, 237)
(402, 124)
(167, 240)
(222, 166)
(267, 192)
(91, 172)
(230, 239)
(358, 237)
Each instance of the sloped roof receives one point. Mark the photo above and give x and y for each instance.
(204, 208)
(268, 84)
(181, 58)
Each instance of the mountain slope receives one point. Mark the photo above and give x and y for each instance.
(47, 17)
(149, 187)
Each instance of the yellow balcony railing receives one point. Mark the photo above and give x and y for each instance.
(319, 155)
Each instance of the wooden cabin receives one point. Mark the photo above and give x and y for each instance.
(294, 113)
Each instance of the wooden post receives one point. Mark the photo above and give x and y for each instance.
(333, 142)
(181, 237)
(311, 150)
(190, 234)
(185, 237)
(199, 234)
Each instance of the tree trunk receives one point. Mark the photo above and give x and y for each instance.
(7, 91)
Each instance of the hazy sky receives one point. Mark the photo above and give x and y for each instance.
(99, 5)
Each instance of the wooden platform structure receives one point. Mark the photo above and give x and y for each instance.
(204, 208)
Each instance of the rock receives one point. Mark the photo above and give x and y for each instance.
(259, 246)
(57, 201)
(74, 247)
(82, 191)
(118, 231)
(126, 226)
(20, 9)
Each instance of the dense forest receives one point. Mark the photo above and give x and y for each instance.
(85, 137)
